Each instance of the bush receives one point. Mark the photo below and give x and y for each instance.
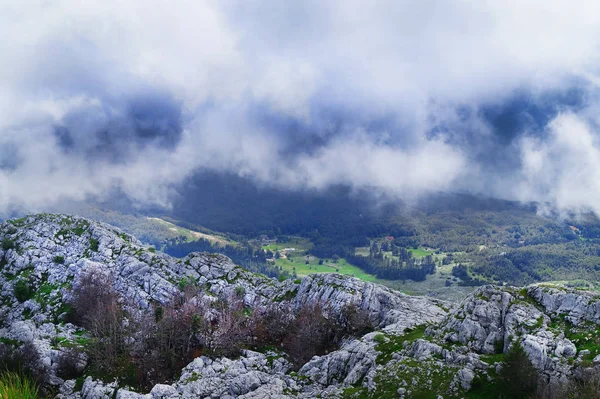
(240, 291)
(17, 386)
(23, 361)
(174, 336)
(94, 244)
(270, 326)
(96, 308)
(584, 385)
(379, 339)
(354, 321)
(23, 291)
(310, 334)
(159, 312)
(58, 259)
(67, 366)
(232, 331)
(7, 244)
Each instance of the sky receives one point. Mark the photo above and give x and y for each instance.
(496, 98)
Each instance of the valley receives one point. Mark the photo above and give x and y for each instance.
(492, 245)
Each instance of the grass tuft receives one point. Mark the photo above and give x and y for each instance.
(17, 386)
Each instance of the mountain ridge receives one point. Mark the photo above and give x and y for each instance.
(418, 343)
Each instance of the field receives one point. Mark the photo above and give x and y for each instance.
(300, 244)
(298, 264)
(192, 235)
(299, 258)
(434, 284)
(420, 252)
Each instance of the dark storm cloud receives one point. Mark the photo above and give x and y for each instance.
(407, 98)
(148, 119)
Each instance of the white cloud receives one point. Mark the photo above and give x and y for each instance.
(79, 64)
(565, 168)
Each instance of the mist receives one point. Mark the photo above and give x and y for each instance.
(408, 99)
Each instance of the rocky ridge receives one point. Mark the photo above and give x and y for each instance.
(420, 344)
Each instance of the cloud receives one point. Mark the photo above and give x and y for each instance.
(406, 97)
(565, 168)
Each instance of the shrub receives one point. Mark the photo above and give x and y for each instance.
(158, 313)
(311, 334)
(24, 361)
(379, 339)
(172, 338)
(240, 291)
(67, 364)
(58, 259)
(232, 330)
(94, 244)
(7, 244)
(97, 309)
(354, 321)
(17, 386)
(585, 384)
(23, 291)
(270, 326)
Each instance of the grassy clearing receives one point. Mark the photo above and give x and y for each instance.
(422, 379)
(434, 285)
(341, 266)
(585, 337)
(297, 259)
(192, 235)
(301, 245)
(420, 252)
(16, 386)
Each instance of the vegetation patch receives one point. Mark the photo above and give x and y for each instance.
(11, 342)
(395, 343)
(585, 337)
(23, 290)
(17, 386)
(492, 359)
(94, 244)
(420, 380)
(288, 296)
(8, 243)
(18, 222)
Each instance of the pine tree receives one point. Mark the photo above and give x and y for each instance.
(519, 378)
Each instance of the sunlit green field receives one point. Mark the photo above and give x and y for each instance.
(191, 235)
(300, 244)
(341, 266)
(420, 252)
(299, 257)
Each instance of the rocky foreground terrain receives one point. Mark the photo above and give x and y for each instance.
(419, 345)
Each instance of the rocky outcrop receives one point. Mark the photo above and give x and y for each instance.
(51, 253)
(420, 344)
(577, 306)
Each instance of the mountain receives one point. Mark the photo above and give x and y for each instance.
(96, 314)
